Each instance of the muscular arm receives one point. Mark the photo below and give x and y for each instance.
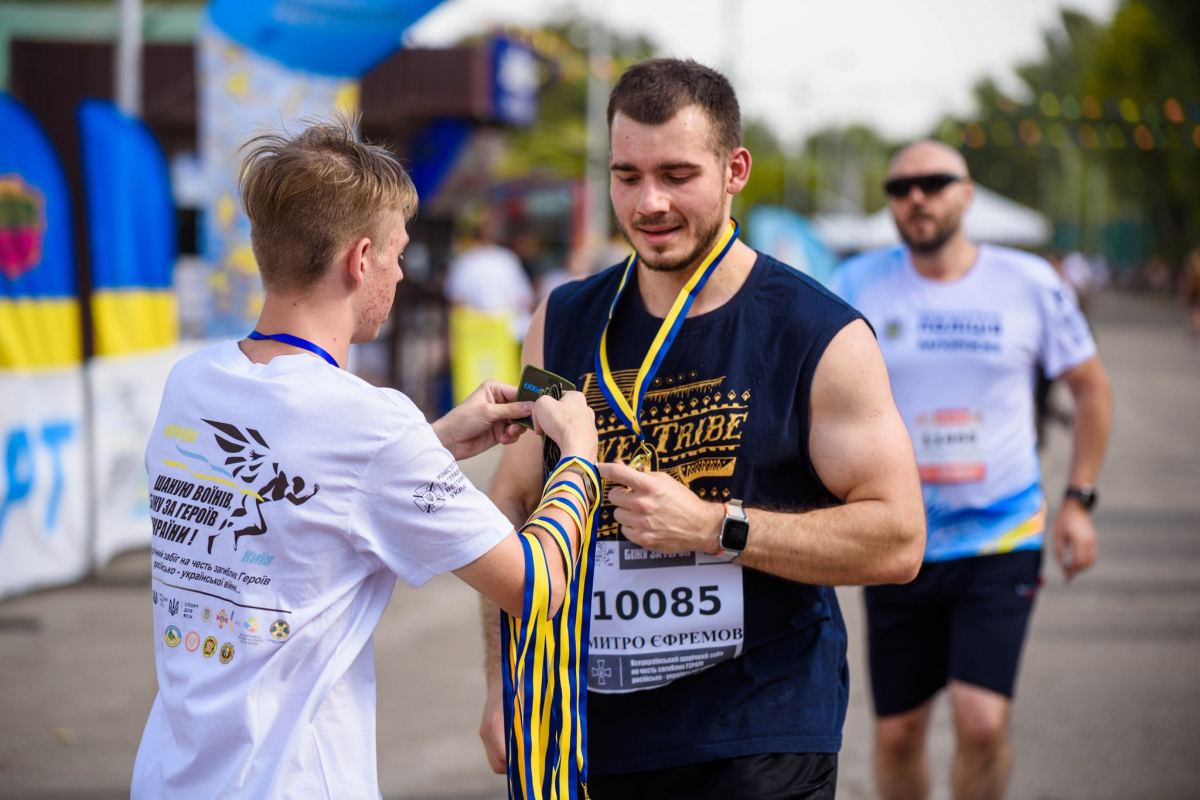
(862, 453)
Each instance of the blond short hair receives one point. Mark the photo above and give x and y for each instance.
(311, 195)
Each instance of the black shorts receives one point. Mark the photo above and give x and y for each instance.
(778, 776)
(963, 619)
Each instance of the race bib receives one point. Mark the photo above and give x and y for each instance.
(949, 446)
(658, 617)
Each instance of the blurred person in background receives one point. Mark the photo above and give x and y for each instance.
(1157, 274)
(587, 258)
(486, 276)
(1189, 284)
(963, 328)
(577, 267)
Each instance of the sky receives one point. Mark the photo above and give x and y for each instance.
(801, 65)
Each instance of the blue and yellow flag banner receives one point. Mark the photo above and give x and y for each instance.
(131, 231)
(39, 313)
(543, 657)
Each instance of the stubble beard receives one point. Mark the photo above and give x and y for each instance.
(943, 232)
(708, 231)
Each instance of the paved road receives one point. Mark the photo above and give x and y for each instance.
(1108, 705)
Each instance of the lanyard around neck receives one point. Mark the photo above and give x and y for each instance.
(630, 412)
(295, 341)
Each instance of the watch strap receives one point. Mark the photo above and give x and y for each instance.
(1086, 495)
(735, 511)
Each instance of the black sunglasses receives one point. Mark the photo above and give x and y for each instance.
(928, 184)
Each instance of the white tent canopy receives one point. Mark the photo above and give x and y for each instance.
(991, 218)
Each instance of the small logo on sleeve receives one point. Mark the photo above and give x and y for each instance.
(430, 497)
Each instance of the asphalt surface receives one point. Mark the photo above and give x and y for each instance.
(1108, 702)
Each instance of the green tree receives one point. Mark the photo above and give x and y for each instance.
(1104, 139)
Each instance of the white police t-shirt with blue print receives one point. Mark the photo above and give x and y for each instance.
(285, 498)
(962, 357)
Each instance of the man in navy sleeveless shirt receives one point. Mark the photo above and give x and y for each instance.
(776, 467)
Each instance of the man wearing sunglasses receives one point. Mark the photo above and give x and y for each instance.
(963, 328)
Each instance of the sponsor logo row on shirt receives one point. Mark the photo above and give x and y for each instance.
(191, 643)
(247, 629)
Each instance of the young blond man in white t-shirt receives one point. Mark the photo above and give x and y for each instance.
(288, 495)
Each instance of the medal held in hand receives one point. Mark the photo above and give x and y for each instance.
(535, 383)
(645, 458)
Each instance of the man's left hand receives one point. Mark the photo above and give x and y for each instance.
(1074, 539)
(660, 513)
(483, 420)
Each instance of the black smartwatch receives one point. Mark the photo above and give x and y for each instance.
(735, 530)
(1086, 495)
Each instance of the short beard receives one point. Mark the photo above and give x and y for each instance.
(944, 232)
(709, 231)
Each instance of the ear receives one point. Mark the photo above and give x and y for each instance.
(738, 170)
(968, 192)
(356, 264)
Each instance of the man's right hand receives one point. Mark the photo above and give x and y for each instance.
(491, 728)
(569, 422)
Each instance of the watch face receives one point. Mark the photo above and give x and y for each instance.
(1086, 495)
(734, 534)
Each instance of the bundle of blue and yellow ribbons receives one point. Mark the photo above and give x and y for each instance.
(543, 657)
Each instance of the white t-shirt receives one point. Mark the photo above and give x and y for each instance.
(286, 498)
(490, 278)
(962, 358)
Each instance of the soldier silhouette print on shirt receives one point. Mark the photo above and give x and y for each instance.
(249, 457)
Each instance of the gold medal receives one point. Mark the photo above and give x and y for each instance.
(643, 458)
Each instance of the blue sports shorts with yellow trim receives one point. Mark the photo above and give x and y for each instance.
(963, 619)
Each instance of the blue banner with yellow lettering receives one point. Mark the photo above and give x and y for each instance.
(39, 312)
(131, 231)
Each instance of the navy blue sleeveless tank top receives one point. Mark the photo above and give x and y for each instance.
(728, 415)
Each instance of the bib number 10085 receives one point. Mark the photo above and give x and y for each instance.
(680, 601)
(657, 617)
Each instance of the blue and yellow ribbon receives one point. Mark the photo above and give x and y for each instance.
(545, 695)
(630, 412)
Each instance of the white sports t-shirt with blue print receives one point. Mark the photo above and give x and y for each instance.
(286, 498)
(962, 358)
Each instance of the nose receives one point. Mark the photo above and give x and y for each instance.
(652, 200)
